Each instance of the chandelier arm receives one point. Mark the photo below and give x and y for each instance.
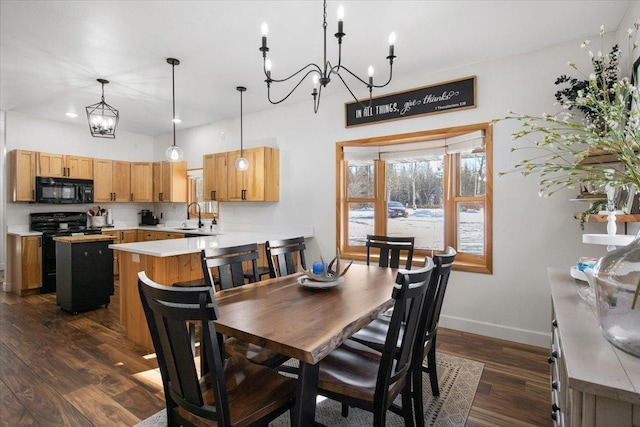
(292, 90)
(316, 100)
(311, 65)
(352, 94)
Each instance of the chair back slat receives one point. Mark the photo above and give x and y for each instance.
(391, 250)
(228, 262)
(440, 279)
(281, 256)
(409, 296)
(168, 309)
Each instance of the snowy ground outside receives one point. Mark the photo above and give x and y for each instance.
(426, 225)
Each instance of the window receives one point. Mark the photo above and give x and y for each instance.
(432, 185)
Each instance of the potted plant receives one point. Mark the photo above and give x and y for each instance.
(600, 115)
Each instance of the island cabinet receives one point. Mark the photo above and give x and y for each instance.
(214, 177)
(61, 165)
(84, 272)
(170, 182)
(22, 165)
(260, 182)
(120, 236)
(146, 235)
(141, 182)
(592, 382)
(112, 181)
(25, 261)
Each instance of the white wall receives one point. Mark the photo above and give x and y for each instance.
(530, 233)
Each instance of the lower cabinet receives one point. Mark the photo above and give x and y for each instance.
(592, 382)
(120, 236)
(84, 275)
(25, 261)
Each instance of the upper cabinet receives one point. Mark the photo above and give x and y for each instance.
(261, 181)
(214, 177)
(170, 182)
(141, 182)
(60, 165)
(111, 181)
(22, 175)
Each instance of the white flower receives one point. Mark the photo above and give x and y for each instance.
(585, 43)
(592, 76)
(601, 30)
(591, 54)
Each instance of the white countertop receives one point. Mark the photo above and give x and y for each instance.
(173, 247)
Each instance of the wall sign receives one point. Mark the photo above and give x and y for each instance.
(439, 98)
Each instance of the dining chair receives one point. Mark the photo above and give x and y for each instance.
(281, 256)
(374, 333)
(229, 265)
(391, 250)
(234, 392)
(360, 376)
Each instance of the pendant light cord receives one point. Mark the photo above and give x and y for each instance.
(173, 87)
(241, 147)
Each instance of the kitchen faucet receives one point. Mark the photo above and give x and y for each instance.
(200, 224)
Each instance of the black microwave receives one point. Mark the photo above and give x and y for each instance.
(63, 190)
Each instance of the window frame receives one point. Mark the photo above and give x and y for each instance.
(464, 261)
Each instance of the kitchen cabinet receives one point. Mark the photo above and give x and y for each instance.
(120, 236)
(25, 261)
(145, 235)
(84, 269)
(170, 182)
(112, 181)
(261, 181)
(214, 177)
(592, 382)
(22, 165)
(141, 182)
(60, 165)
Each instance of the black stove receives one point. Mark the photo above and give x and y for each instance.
(53, 224)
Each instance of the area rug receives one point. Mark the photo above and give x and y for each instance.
(458, 378)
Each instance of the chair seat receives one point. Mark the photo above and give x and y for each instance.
(254, 353)
(352, 370)
(253, 392)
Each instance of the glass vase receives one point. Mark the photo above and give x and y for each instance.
(617, 280)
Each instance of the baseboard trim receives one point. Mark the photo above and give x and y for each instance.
(519, 335)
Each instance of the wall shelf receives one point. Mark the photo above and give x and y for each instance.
(603, 217)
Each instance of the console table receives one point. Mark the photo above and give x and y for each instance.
(592, 382)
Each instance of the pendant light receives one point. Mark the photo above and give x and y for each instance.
(242, 164)
(174, 153)
(103, 118)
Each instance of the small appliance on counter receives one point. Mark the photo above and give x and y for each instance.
(148, 218)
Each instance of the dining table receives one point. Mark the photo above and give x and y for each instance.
(289, 316)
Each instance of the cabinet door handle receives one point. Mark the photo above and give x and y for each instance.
(213, 194)
(132, 197)
(33, 194)
(40, 242)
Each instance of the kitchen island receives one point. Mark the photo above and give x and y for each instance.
(171, 261)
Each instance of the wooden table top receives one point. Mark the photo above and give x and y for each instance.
(85, 238)
(303, 323)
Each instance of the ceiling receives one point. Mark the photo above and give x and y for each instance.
(52, 52)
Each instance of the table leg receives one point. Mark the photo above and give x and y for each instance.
(304, 412)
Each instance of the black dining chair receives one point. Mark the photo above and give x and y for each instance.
(234, 392)
(360, 376)
(284, 256)
(391, 250)
(374, 333)
(228, 264)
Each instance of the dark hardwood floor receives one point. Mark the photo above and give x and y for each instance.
(57, 369)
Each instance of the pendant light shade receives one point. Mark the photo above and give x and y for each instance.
(174, 153)
(103, 118)
(242, 164)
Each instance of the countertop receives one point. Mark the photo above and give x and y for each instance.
(173, 247)
(86, 238)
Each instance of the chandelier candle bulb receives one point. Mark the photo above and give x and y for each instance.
(392, 42)
(340, 32)
(265, 33)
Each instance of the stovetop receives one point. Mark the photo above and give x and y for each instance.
(60, 223)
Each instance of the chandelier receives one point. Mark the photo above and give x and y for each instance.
(322, 74)
(103, 118)
(174, 153)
